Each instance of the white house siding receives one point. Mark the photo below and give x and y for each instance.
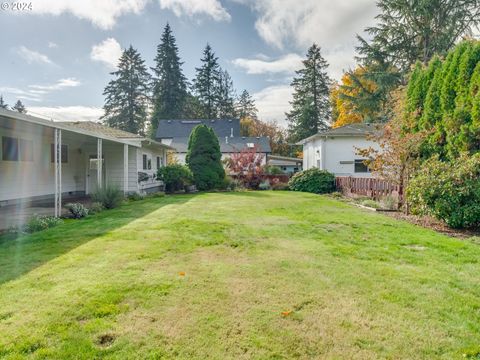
(132, 169)
(152, 153)
(336, 154)
(25, 179)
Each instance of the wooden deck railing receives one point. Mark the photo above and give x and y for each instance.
(371, 187)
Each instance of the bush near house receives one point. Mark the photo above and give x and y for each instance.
(313, 181)
(204, 158)
(449, 191)
(109, 196)
(77, 210)
(39, 223)
(176, 177)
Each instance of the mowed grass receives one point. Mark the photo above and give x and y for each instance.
(209, 275)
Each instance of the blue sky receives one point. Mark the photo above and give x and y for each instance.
(57, 56)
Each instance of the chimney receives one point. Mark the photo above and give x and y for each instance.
(231, 132)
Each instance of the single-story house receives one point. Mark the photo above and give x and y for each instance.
(336, 150)
(289, 165)
(176, 133)
(48, 160)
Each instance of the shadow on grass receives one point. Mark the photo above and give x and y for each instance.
(25, 253)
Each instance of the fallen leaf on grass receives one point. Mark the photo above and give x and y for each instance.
(286, 313)
(181, 273)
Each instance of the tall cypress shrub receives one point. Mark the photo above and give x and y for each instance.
(204, 158)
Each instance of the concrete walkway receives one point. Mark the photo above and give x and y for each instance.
(17, 215)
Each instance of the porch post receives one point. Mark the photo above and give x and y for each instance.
(99, 163)
(57, 150)
(125, 169)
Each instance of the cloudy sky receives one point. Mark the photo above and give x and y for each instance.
(57, 56)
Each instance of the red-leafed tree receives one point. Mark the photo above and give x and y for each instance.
(246, 164)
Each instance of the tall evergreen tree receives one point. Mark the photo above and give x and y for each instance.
(245, 106)
(311, 105)
(408, 30)
(371, 88)
(204, 158)
(127, 95)
(226, 96)
(3, 104)
(206, 82)
(169, 83)
(19, 107)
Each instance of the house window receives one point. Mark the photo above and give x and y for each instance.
(26, 150)
(9, 149)
(250, 145)
(64, 153)
(159, 163)
(145, 165)
(360, 167)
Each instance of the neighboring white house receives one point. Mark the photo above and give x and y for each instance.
(42, 159)
(336, 150)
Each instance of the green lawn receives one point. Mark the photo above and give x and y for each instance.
(359, 285)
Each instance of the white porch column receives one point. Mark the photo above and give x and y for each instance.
(125, 169)
(99, 163)
(57, 150)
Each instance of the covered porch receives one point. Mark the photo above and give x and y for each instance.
(43, 166)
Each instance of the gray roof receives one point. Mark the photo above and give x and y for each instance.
(361, 130)
(182, 128)
(235, 144)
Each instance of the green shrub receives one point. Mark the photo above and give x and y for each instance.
(95, 208)
(77, 210)
(313, 181)
(135, 196)
(272, 170)
(449, 191)
(204, 158)
(109, 196)
(264, 185)
(175, 177)
(39, 223)
(280, 186)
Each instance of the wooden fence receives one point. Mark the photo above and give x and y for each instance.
(373, 188)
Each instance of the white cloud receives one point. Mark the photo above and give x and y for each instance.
(20, 94)
(108, 52)
(31, 56)
(52, 45)
(60, 84)
(101, 13)
(67, 113)
(286, 64)
(36, 92)
(212, 8)
(272, 102)
(331, 24)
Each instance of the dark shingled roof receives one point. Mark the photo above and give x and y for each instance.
(234, 144)
(183, 128)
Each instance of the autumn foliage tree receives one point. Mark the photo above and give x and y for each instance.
(277, 134)
(344, 110)
(246, 164)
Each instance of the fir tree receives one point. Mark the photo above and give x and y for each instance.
(206, 82)
(311, 105)
(226, 96)
(169, 83)
(204, 158)
(127, 94)
(245, 106)
(3, 104)
(19, 107)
